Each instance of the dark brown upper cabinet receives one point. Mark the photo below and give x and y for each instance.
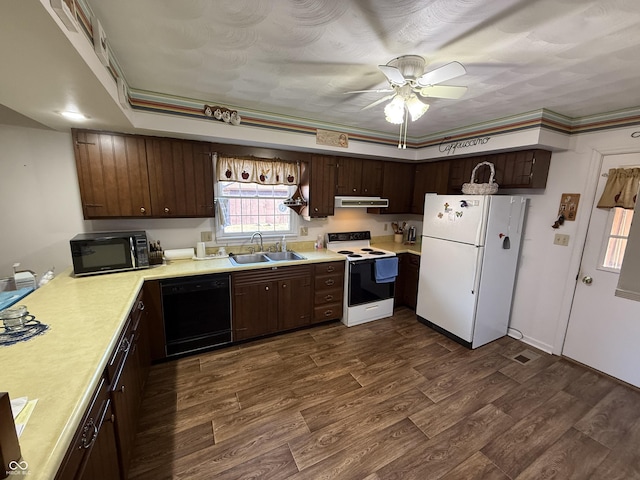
(358, 177)
(522, 169)
(397, 186)
(112, 174)
(322, 183)
(180, 177)
(430, 177)
(124, 176)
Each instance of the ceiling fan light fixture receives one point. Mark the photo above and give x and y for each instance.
(394, 110)
(416, 107)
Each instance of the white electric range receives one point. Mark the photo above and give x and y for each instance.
(366, 298)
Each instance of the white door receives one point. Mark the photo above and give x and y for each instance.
(603, 330)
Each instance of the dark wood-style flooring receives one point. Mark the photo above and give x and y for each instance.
(390, 399)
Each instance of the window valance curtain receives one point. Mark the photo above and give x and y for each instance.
(256, 170)
(621, 188)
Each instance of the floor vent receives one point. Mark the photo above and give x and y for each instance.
(525, 356)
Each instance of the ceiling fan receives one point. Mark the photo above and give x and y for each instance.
(410, 85)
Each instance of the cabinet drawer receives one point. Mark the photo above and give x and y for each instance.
(324, 297)
(120, 352)
(331, 311)
(87, 432)
(413, 260)
(328, 268)
(329, 282)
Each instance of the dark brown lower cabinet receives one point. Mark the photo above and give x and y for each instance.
(407, 280)
(93, 454)
(328, 291)
(270, 301)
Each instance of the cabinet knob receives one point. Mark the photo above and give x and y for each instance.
(266, 288)
(315, 209)
(166, 210)
(354, 190)
(284, 285)
(143, 210)
(121, 389)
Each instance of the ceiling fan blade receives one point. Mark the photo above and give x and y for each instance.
(442, 74)
(393, 74)
(379, 101)
(442, 91)
(380, 90)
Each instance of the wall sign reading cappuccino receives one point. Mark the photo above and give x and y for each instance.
(450, 147)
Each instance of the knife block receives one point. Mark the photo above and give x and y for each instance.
(9, 446)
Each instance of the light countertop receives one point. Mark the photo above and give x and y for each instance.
(62, 367)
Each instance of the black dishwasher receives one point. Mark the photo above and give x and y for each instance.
(196, 312)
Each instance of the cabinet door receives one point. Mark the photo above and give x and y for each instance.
(431, 177)
(102, 463)
(181, 177)
(397, 186)
(294, 302)
(93, 453)
(112, 174)
(322, 184)
(255, 309)
(349, 176)
(372, 177)
(126, 397)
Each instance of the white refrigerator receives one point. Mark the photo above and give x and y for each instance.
(469, 257)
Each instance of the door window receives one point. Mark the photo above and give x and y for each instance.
(615, 239)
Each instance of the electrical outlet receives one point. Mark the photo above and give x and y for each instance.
(561, 239)
(304, 231)
(206, 236)
(386, 226)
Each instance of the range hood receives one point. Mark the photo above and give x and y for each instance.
(362, 202)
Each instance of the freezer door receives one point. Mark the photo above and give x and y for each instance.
(458, 218)
(449, 276)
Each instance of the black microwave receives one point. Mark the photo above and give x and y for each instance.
(94, 253)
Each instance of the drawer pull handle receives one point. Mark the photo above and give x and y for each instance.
(328, 298)
(141, 305)
(330, 268)
(143, 210)
(125, 345)
(166, 210)
(328, 313)
(329, 282)
(85, 442)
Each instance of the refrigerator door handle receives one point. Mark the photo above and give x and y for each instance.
(523, 204)
(477, 270)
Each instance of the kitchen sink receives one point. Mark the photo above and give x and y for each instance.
(247, 258)
(282, 256)
(266, 257)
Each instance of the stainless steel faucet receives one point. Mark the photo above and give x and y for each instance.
(254, 236)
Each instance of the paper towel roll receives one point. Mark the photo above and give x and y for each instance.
(201, 250)
(178, 254)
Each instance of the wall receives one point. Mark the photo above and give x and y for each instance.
(41, 212)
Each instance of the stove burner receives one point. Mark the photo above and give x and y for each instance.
(367, 249)
(375, 252)
(354, 255)
(345, 252)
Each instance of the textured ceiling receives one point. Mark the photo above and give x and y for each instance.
(574, 57)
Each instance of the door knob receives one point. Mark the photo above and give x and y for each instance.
(587, 280)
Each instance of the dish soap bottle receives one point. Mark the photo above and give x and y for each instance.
(283, 244)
